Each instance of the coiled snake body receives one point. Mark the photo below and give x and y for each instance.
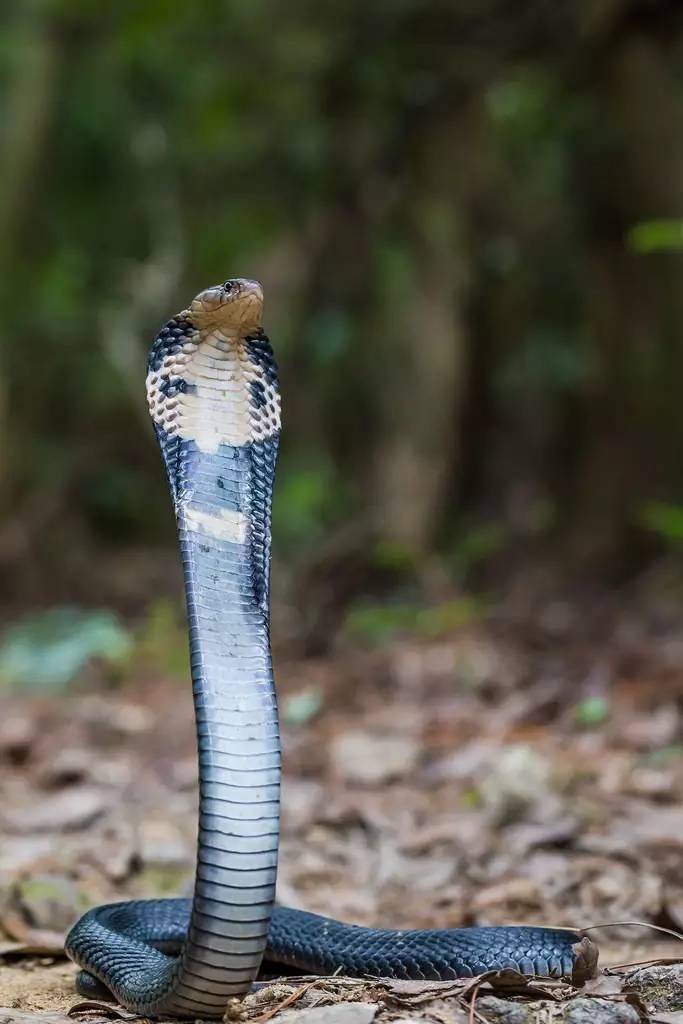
(214, 400)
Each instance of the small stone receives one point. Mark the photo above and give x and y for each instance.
(370, 758)
(184, 773)
(50, 902)
(67, 810)
(163, 845)
(502, 1011)
(599, 1011)
(660, 986)
(658, 729)
(338, 1013)
(300, 708)
(20, 853)
(132, 719)
(17, 736)
(67, 767)
(517, 784)
(652, 824)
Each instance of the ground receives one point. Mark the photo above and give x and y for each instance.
(511, 771)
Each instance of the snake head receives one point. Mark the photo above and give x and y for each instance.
(234, 308)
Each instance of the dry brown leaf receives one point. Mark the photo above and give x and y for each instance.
(11, 1015)
(90, 1007)
(74, 808)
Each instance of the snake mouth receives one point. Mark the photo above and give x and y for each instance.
(235, 308)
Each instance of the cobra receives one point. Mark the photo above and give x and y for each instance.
(214, 399)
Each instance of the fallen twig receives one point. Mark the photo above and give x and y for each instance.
(293, 997)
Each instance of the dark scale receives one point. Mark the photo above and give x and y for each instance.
(169, 340)
(263, 460)
(172, 386)
(170, 450)
(258, 394)
(261, 353)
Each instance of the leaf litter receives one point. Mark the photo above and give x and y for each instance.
(437, 783)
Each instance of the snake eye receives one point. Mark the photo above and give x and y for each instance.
(227, 287)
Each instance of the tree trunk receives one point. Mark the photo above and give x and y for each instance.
(634, 301)
(28, 108)
(421, 331)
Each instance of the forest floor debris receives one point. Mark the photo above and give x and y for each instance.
(420, 793)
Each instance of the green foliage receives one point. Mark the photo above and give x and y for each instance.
(592, 712)
(549, 359)
(46, 652)
(161, 640)
(49, 891)
(161, 879)
(535, 122)
(664, 519)
(409, 179)
(310, 498)
(393, 556)
(664, 757)
(657, 236)
(300, 708)
(477, 544)
(377, 624)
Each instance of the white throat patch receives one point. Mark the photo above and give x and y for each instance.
(218, 406)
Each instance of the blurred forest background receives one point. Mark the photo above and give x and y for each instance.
(467, 218)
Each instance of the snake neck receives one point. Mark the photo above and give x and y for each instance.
(215, 405)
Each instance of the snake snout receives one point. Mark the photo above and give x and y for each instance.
(235, 306)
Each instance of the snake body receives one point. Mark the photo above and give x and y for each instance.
(214, 400)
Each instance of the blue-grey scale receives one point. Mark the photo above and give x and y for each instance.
(214, 399)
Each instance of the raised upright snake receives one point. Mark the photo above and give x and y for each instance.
(214, 399)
